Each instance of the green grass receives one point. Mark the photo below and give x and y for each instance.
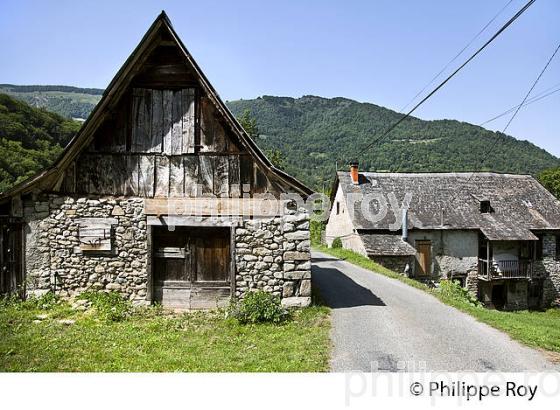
(539, 329)
(152, 341)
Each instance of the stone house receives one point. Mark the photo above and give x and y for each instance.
(161, 196)
(498, 234)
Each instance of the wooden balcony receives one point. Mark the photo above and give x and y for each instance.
(506, 269)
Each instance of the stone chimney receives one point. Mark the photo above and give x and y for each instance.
(354, 173)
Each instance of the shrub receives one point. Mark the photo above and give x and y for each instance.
(337, 243)
(257, 307)
(453, 290)
(110, 306)
(316, 229)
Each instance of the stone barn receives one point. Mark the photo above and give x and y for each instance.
(161, 196)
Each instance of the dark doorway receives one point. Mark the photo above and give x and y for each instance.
(191, 266)
(499, 296)
(11, 257)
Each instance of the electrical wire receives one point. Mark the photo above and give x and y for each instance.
(488, 42)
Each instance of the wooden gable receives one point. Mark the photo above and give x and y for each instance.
(161, 130)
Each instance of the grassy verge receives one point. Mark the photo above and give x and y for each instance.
(540, 329)
(59, 338)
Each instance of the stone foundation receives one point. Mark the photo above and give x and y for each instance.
(394, 263)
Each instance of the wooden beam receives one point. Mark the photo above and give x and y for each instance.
(215, 206)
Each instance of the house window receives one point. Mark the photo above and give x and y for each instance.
(485, 207)
(337, 207)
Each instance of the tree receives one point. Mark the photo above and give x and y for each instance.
(550, 179)
(276, 157)
(249, 123)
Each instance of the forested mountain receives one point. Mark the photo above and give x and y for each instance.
(70, 102)
(313, 132)
(30, 139)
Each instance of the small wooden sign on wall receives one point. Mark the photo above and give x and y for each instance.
(95, 233)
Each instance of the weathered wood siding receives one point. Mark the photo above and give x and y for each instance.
(165, 143)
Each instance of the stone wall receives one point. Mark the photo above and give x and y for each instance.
(395, 263)
(274, 255)
(54, 257)
(549, 269)
(517, 297)
(270, 254)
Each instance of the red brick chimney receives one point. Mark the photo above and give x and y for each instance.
(354, 172)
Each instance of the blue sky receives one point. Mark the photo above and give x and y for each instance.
(378, 51)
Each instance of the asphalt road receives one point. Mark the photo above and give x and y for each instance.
(383, 324)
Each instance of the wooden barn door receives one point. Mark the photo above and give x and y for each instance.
(424, 258)
(11, 257)
(191, 267)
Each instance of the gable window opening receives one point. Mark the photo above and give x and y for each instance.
(337, 207)
(485, 207)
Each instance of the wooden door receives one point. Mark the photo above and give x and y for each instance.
(11, 257)
(424, 258)
(191, 267)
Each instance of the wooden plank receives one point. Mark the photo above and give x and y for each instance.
(130, 183)
(141, 119)
(157, 122)
(120, 173)
(146, 176)
(17, 206)
(206, 126)
(246, 172)
(188, 109)
(162, 176)
(96, 222)
(118, 140)
(177, 127)
(107, 174)
(260, 184)
(234, 176)
(176, 176)
(190, 175)
(216, 206)
(221, 176)
(69, 184)
(82, 175)
(167, 120)
(95, 184)
(206, 174)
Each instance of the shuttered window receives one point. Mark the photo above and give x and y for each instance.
(95, 234)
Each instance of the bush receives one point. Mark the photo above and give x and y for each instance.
(453, 290)
(316, 229)
(110, 306)
(257, 307)
(337, 243)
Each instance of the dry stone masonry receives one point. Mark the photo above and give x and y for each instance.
(274, 255)
(270, 254)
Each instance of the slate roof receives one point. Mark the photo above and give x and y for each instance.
(452, 201)
(386, 244)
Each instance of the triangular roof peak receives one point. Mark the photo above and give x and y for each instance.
(160, 31)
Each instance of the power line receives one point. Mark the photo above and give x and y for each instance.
(491, 149)
(500, 31)
(456, 56)
(531, 89)
(538, 97)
